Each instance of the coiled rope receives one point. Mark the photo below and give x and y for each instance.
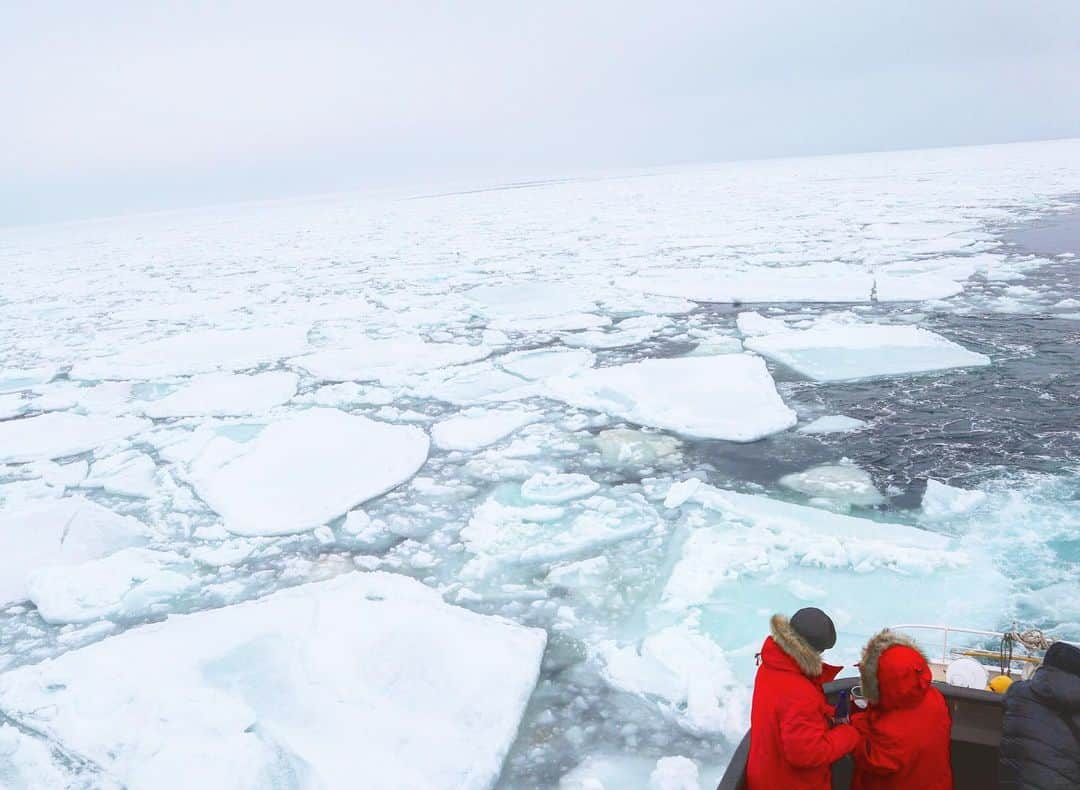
(1032, 639)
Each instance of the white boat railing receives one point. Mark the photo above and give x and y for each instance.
(946, 630)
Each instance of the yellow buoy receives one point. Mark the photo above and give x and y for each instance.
(1000, 684)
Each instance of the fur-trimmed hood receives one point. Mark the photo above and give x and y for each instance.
(788, 640)
(901, 679)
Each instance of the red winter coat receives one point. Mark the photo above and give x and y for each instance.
(792, 743)
(907, 726)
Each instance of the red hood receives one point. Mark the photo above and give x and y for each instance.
(903, 677)
(774, 657)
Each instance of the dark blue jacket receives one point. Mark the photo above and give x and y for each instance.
(1040, 740)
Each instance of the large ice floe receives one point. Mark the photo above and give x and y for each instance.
(366, 674)
(60, 434)
(64, 532)
(731, 396)
(387, 359)
(300, 471)
(843, 352)
(196, 352)
(225, 394)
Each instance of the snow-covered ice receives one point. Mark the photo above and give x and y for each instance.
(387, 359)
(225, 394)
(366, 675)
(196, 352)
(545, 363)
(63, 532)
(60, 434)
(942, 501)
(842, 484)
(858, 351)
(303, 470)
(126, 584)
(833, 423)
(729, 397)
(476, 428)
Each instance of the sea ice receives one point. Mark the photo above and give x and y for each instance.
(60, 434)
(674, 773)
(555, 489)
(368, 673)
(844, 484)
(729, 397)
(833, 283)
(833, 423)
(130, 473)
(387, 360)
(64, 532)
(530, 300)
(687, 674)
(128, 583)
(504, 532)
(13, 380)
(225, 394)
(201, 351)
(304, 469)
(944, 501)
(847, 352)
(469, 384)
(628, 447)
(476, 428)
(544, 363)
(629, 332)
(11, 405)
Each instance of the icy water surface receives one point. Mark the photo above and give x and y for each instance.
(535, 402)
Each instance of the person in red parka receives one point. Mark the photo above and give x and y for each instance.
(906, 727)
(793, 741)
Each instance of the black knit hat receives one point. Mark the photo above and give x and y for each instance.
(1064, 656)
(815, 627)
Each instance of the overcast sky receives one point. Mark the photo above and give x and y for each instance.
(115, 106)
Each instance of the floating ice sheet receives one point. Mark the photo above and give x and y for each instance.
(387, 360)
(62, 532)
(129, 583)
(225, 394)
(543, 363)
(196, 352)
(817, 283)
(840, 485)
(59, 434)
(303, 470)
(833, 423)
(723, 397)
(858, 351)
(476, 428)
(367, 674)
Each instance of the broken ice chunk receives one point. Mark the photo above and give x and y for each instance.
(366, 672)
(59, 434)
(126, 584)
(844, 484)
(942, 501)
(729, 397)
(387, 360)
(225, 394)
(554, 489)
(63, 532)
(836, 423)
(201, 351)
(304, 469)
(543, 363)
(476, 428)
(858, 351)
